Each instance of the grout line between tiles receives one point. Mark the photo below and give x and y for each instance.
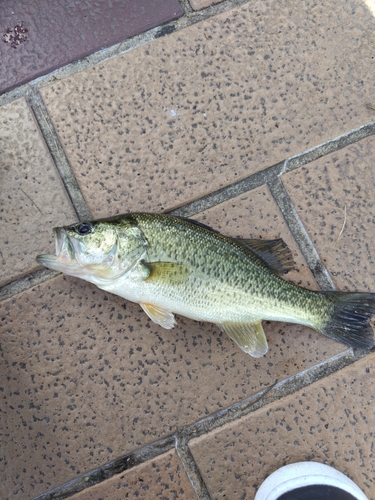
(327, 147)
(25, 282)
(186, 7)
(58, 154)
(272, 393)
(228, 192)
(300, 234)
(191, 468)
(110, 469)
(270, 174)
(180, 440)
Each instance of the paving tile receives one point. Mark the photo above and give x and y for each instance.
(162, 478)
(202, 4)
(39, 36)
(32, 196)
(331, 421)
(334, 198)
(215, 102)
(86, 377)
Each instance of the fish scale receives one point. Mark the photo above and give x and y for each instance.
(250, 281)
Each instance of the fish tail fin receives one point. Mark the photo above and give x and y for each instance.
(348, 321)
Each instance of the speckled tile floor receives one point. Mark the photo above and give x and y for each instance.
(256, 118)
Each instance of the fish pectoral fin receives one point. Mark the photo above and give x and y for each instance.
(170, 272)
(274, 253)
(249, 337)
(159, 315)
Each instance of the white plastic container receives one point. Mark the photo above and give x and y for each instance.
(302, 474)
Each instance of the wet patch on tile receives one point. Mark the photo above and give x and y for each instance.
(213, 103)
(38, 37)
(90, 378)
(32, 197)
(162, 478)
(331, 422)
(334, 199)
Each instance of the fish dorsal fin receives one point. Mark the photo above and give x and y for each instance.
(274, 253)
(170, 272)
(199, 224)
(249, 337)
(159, 315)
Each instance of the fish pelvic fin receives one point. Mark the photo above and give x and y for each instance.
(160, 316)
(249, 337)
(348, 321)
(275, 254)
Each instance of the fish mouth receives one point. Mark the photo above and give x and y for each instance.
(64, 252)
(63, 246)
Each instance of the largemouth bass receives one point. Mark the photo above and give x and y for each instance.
(174, 265)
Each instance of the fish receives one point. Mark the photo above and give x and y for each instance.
(174, 265)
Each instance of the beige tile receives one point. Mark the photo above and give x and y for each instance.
(334, 197)
(331, 421)
(87, 377)
(162, 478)
(215, 102)
(32, 197)
(202, 4)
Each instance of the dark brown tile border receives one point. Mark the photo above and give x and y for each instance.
(39, 37)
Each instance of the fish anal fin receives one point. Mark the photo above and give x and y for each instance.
(160, 316)
(170, 272)
(249, 337)
(274, 253)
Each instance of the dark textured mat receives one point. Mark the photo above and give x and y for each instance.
(38, 36)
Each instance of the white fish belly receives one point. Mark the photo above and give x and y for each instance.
(202, 301)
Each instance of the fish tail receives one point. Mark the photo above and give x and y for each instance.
(348, 320)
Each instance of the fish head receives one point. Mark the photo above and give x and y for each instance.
(97, 251)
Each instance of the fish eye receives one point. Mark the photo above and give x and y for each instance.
(84, 228)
